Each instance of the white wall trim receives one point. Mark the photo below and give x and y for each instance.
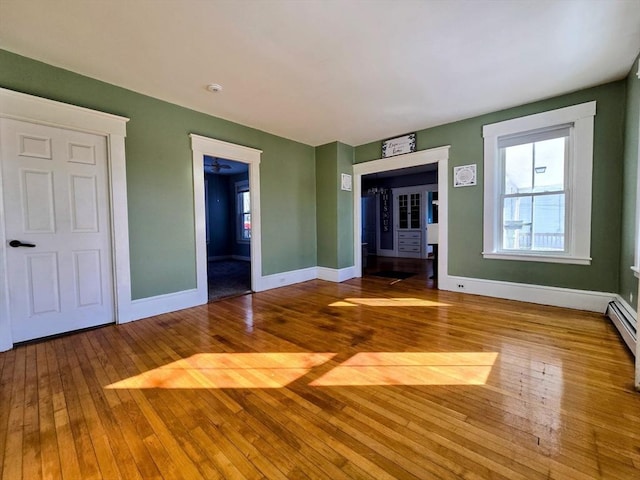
(543, 295)
(29, 108)
(287, 278)
(336, 275)
(578, 183)
(200, 147)
(151, 306)
(439, 155)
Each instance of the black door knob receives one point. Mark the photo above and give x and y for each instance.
(18, 243)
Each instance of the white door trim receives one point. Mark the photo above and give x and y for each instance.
(28, 108)
(439, 155)
(202, 146)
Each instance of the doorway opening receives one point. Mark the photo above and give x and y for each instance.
(204, 146)
(228, 227)
(400, 222)
(434, 233)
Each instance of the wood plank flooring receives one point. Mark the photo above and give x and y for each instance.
(360, 380)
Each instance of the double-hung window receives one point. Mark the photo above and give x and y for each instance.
(538, 186)
(243, 204)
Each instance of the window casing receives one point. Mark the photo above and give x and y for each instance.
(537, 177)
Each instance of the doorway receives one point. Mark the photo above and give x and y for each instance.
(204, 146)
(438, 156)
(399, 211)
(228, 227)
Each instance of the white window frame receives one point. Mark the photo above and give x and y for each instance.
(578, 181)
(241, 187)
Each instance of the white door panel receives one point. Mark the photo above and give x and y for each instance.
(54, 183)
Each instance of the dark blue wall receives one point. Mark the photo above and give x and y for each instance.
(222, 216)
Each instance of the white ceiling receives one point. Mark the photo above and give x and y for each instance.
(323, 70)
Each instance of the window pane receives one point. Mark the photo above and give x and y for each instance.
(549, 165)
(548, 222)
(246, 226)
(516, 227)
(415, 210)
(403, 211)
(518, 168)
(246, 202)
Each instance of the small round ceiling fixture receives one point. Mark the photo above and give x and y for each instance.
(214, 87)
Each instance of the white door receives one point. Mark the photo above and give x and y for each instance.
(57, 225)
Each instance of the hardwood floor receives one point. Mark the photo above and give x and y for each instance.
(364, 379)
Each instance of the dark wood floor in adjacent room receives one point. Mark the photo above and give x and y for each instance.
(367, 379)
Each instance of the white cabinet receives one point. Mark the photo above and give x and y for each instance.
(409, 243)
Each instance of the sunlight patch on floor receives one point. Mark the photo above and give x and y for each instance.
(279, 369)
(411, 368)
(228, 370)
(387, 302)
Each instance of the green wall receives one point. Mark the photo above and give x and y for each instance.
(160, 179)
(628, 282)
(466, 204)
(326, 221)
(345, 207)
(335, 206)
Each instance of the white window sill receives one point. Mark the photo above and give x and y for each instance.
(537, 257)
(636, 271)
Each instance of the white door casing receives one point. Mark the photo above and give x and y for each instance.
(200, 147)
(439, 155)
(112, 128)
(54, 183)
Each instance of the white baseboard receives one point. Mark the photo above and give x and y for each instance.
(171, 302)
(555, 296)
(286, 278)
(336, 275)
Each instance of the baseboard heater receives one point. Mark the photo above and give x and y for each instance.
(625, 323)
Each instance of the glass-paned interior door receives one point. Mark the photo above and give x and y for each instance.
(414, 215)
(409, 206)
(403, 211)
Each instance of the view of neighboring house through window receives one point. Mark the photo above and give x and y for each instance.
(244, 211)
(534, 193)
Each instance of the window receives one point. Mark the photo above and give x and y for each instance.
(538, 186)
(243, 203)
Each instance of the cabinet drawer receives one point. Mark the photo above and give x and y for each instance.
(409, 248)
(409, 234)
(409, 241)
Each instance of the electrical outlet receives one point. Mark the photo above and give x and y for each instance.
(460, 285)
